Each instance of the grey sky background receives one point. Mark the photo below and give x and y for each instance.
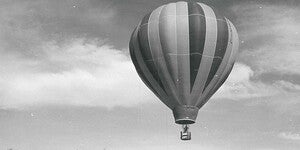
(67, 82)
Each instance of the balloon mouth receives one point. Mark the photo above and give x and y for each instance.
(185, 114)
(185, 121)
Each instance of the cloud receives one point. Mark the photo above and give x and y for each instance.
(77, 73)
(54, 20)
(172, 147)
(281, 95)
(288, 86)
(240, 86)
(289, 136)
(50, 55)
(270, 37)
(39, 66)
(267, 65)
(89, 73)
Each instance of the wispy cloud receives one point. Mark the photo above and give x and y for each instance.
(267, 67)
(270, 37)
(289, 136)
(171, 147)
(241, 85)
(25, 21)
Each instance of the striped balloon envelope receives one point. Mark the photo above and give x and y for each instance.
(184, 52)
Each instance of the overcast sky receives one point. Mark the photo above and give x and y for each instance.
(67, 82)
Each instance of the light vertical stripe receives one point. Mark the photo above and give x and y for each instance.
(183, 56)
(168, 38)
(208, 53)
(157, 54)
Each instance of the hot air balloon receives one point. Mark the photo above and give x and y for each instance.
(184, 52)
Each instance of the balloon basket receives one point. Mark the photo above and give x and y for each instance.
(185, 134)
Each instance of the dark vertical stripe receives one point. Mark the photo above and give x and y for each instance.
(145, 19)
(143, 39)
(215, 88)
(197, 31)
(143, 42)
(226, 76)
(139, 70)
(222, 41)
